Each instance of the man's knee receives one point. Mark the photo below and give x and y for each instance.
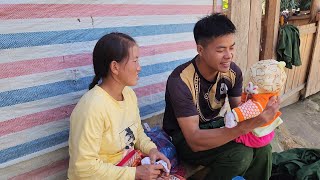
(264, 154)
(241, 158)
(233, 161)
(244, 156)
(264, 151)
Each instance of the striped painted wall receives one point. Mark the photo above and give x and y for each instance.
(45, 67)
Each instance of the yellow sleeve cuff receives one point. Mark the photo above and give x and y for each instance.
(150, 146)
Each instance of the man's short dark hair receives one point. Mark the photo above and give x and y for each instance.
(212, 26)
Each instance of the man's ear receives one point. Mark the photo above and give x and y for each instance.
(200, 49)
(114, 67)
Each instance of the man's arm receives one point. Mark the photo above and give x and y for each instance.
(204, 139)
(234, 101)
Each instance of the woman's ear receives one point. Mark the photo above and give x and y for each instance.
(114, 67)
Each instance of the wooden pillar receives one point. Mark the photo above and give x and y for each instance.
(270, 29)
(246, 16)
(313, 82)
(217, 6)
(240, 16)
(254, 32)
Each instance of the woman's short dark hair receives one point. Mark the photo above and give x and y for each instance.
(212, 26)
(111, 47)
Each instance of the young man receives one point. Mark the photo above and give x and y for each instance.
(195, 95)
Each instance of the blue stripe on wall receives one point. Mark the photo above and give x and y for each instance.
(24, 95)
(161, 67)
(58, 138)
(152, 108)
(33, 146)
(71, 36)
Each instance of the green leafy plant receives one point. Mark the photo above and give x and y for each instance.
(225, 4)
(288, 4)
(305, 4)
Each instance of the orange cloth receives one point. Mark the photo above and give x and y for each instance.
(252, 106)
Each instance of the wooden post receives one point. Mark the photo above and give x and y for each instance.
(270, 29)
(313, 77)
(315, 8)
(254, 32)
(217, 6)
(229, 8)
(240, 16)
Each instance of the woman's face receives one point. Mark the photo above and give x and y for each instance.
(130, 68)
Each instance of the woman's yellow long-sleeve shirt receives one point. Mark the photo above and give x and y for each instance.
(101, 128)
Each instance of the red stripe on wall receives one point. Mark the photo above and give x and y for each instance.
(36, 119)
(26, 67)
(44, 171)
(150, 89)
(20, 68)
(28, 11)
(56, 114)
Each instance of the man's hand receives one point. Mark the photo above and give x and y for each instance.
(155, 155)
(271, 109)
(148, 172)
(264, 117)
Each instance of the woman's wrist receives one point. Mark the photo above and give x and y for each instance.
(153, 149)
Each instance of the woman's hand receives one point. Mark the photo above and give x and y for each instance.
(148, 172)
(155, 155)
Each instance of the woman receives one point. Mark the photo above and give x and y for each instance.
(105, 124)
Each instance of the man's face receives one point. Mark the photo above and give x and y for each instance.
(218, 53)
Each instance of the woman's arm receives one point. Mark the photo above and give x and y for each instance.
(85, 141)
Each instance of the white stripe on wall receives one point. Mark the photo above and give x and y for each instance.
(46, 51)
(9, 84)
(45, 24)
(154, 78)
(19, 82)
(33, 133)
(151, 99)
(18, 110)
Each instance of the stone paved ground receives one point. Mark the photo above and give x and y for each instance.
(301, 126)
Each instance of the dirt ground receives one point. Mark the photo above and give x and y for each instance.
(301, 127)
